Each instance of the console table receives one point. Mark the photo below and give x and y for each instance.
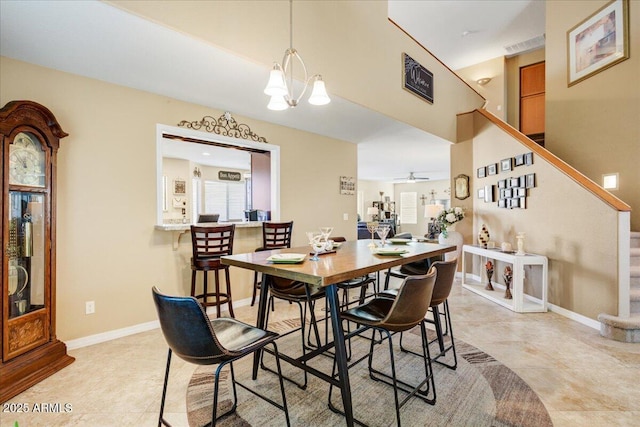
(521, 302)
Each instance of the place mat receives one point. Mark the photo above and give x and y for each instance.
(287, 258)
(390, 251)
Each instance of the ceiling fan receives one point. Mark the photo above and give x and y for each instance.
(412, 178)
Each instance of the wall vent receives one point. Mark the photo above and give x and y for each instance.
(525, 46)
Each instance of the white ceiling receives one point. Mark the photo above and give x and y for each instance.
(96, 40)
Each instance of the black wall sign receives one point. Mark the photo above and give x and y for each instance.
(229, 176)
(417, 79)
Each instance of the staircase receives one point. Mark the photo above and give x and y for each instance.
(627, 329)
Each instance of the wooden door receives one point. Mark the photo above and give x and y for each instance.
(532, 100)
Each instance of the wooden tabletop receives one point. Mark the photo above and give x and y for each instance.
(352, 259)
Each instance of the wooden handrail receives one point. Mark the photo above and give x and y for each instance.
(564, 167)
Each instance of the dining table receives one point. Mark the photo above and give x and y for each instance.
(350, 260)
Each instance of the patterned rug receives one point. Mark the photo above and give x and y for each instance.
(480, 392)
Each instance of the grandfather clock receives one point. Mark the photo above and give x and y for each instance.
(30, 136)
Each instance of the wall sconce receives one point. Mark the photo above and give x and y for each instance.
(610, 181)
(483, 81)
(196, 172)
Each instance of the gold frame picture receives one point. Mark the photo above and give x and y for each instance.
(599, 42)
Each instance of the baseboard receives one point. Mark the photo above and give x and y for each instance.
(575, 316)
(148, 326)
(131, 330)
(111, 335)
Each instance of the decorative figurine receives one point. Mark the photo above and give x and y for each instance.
(489, 267)
(520, 243)
(483, 236)
(507, 281)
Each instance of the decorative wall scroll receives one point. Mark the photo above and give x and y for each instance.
(224, 125)
(347, 185)
(417, 79)
(598, 42)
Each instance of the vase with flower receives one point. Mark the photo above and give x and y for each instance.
(447, 220)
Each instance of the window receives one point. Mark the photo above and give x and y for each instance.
(409, 208)
(226, 199)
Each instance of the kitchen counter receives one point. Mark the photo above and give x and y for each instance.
(179, 229)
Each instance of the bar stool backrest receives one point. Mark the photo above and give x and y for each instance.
(213, 241)
(411, 304)
(276, 235)
(444, 281)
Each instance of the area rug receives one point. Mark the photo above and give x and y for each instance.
(480, 392)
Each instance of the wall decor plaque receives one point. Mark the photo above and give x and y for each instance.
(417, 79)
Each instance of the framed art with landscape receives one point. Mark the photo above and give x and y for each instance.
(598, 42)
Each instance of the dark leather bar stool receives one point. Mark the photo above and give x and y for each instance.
(198, 340)
(275, 235)
(209, 244)
(388, 316)
(444, 282)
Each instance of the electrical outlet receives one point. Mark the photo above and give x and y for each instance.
(90, 307)
(345, 216)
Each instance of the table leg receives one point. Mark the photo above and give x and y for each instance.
(340, 351)
(262, 316)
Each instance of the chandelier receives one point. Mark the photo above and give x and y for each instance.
(281, 93)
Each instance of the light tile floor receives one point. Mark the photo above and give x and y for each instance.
(582, 378)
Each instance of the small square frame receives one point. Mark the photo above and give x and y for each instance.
(518, 160)
(531, 180)
(528, 159)
(492, 169)
(506, 164)
(482, 172)
(179, 187)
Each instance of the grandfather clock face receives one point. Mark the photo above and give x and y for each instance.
(26, 161)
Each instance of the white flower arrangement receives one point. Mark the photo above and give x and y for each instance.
(448, 217)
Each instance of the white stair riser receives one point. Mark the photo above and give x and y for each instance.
(635, 308)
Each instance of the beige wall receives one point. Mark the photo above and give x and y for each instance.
(495, 91)
(594, 125)
(351, 43)
(108, 250)
(582, 252)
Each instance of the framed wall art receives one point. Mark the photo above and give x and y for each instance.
(482, 172)
(518, 160)
(347, 185)
(179, 186)
(417, 79)
(505, 164)
(492, 169)
(461, 186)
(528, 159)
(599, 42)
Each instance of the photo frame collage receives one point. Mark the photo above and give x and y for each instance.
(511, 191)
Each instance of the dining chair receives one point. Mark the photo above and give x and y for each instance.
(196, 339)
(389, 316)
(209, 243)
(361, 283)
(305, 296)
(441, 291)
(275, 235)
